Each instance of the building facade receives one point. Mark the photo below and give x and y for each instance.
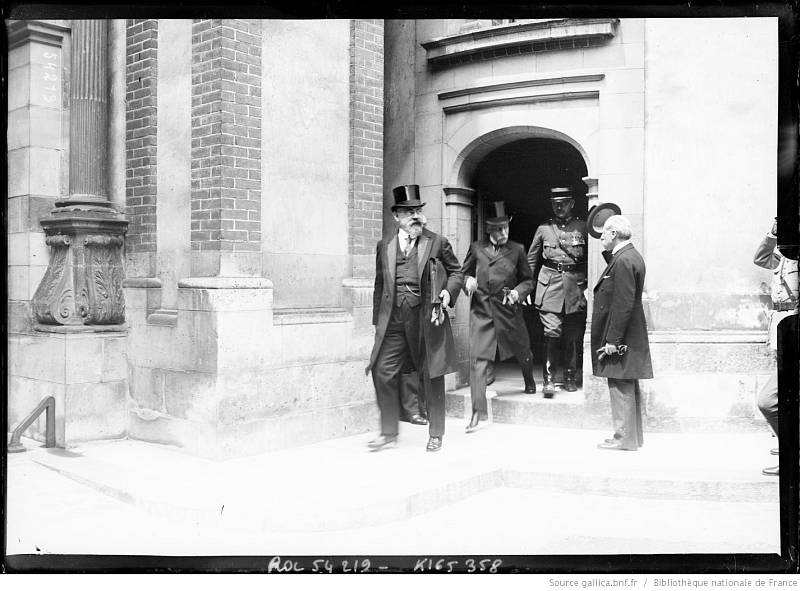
(249, 166)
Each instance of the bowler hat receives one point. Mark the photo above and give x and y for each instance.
(406, 196)
(597, 217)
(559, 193)
(498, 213)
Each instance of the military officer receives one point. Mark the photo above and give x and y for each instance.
(557, 258)
(498, 278)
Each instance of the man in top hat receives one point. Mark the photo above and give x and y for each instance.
(417, 277)
(498, 278)
(557, 258)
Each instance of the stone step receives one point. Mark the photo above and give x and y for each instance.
(578, 410)
(338, 484)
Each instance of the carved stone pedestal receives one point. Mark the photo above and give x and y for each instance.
(82, 287)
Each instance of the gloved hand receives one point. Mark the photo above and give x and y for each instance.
(471, 285)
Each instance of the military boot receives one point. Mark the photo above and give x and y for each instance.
(571, 363)
(527, 374)
(551, 352)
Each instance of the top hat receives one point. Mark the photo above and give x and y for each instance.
(597, 217)
(560, 193)
(498, 213)
(406, 196)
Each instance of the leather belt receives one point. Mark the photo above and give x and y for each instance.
(784, 306)
(563, 266)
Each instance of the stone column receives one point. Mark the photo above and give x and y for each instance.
(459, 203)
(76, 352)
(82, 287)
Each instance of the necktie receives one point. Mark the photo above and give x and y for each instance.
(407, 249)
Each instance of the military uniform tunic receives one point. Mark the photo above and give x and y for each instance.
(559, 291)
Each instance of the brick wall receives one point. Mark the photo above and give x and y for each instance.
(365, 202)
(226, 135)
(141, 120)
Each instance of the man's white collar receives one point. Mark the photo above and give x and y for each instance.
(402, 235)
(619, 246)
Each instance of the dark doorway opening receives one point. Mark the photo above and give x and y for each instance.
(521, 173)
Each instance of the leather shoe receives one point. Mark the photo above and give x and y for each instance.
(434, 444)
(381, 442)
(774, 451)
(772, 471)
(418, 420)
(613, 446)
(530, 388)
(611, 440)
(473, 423)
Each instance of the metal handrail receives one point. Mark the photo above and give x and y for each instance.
(48, 404)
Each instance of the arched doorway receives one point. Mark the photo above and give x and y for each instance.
(521, 173)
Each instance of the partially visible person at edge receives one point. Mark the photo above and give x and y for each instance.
(620, 346)
(557, 258)
(497, 278)
(412, 326)
(784, 295)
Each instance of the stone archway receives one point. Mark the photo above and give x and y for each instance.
(463, 220)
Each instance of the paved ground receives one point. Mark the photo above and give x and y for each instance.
(507, 489)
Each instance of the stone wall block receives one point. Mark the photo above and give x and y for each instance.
(19, 87)
(18, 134)
(95, 411)
(47, 166)
(84, 358)
(18, 248)
(45, 129)
(191, 395)
(195, 341)
(38, 357)
(146, 387)
(244, 339)
(114, 360)
(314, 343)
(19, 162)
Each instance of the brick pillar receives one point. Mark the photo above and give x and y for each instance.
(141, 121)
(365, 199)
(365, 204)
(226, 148)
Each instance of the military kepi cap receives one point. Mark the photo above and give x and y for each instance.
(406, 196)
(560, 193)
(497, 213)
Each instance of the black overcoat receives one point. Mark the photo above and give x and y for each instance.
(436, 347)
(618, 318)
(495, 327)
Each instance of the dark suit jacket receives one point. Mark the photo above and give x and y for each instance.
(618, 318)
(491, 323)
(436, 345)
